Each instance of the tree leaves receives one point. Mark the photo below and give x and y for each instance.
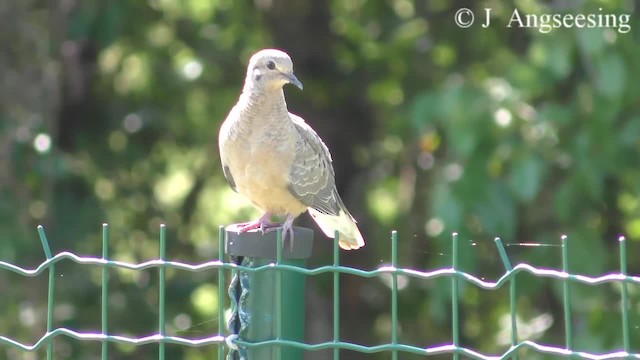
(506, 133)
(610, 75)
(526, 177)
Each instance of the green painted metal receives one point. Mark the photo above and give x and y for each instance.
(336, 296)
(566, 295)
(279, 314)
(52, 289)
(290, 324)
(292, 271)
(455, 287)
(221, 288)
(269, 305)
(104, 304)
(162, 316)
(394, 293)
(512, 295)
(625, 296)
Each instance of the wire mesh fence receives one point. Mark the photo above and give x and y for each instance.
(226, 341)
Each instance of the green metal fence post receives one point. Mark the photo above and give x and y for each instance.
(625, 296)
(566, 296)
(52, 290)
(221, 283)
(270, 304)
(104, 303)
(336, 296)
(512, 296)
(455, 291)
(162, 308)
(394, 293)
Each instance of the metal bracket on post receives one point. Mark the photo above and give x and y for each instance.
(254, 295)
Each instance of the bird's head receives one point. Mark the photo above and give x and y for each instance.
(271, 69)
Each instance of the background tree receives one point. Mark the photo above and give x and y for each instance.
(110, 111)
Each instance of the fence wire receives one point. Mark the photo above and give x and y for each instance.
(224, 340)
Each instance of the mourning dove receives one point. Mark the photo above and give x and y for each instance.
(276, 160)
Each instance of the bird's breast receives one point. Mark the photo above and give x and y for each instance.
(259, 162)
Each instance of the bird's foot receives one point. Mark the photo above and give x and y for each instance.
(266, 226)
(244, 227)
(287, 229)
(263, 223)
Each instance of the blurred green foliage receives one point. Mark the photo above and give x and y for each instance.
(109, 112)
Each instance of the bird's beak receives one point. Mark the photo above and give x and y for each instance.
(294, 80)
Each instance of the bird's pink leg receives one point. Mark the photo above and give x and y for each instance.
(287, 229)
(263, 223)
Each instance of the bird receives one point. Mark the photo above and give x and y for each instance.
(276, 160)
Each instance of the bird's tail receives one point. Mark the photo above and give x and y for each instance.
(350, 237)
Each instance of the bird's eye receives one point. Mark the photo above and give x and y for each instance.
(271, 65)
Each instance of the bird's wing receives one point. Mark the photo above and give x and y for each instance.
(223, 140)
(312, 181)
(229, 177)
(311, 175)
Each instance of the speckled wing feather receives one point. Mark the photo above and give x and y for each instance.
(312, 181)
(311, 173)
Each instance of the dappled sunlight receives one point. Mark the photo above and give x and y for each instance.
(42, 143)
(205, 300)
(110, 113)
(224, 206)
(133, 75)
(383, 202)
(171, 190)
(532, 329)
